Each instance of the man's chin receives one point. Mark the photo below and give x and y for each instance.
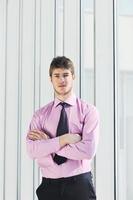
(62, 93)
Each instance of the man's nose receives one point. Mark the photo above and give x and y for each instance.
(62, 78)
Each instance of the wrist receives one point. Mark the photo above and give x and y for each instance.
(63, 140)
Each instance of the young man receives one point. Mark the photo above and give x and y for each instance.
(63, 138)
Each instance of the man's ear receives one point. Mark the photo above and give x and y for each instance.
(73, 76)
(50, 77)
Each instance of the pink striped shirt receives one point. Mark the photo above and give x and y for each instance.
(83, 119)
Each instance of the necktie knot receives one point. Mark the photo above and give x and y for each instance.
(64, 104)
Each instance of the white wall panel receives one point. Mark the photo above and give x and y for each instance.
(2, 93)
(59, 26)
(27, 94)
(104, 98)
(11, 112)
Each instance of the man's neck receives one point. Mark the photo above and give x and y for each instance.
(63, 97)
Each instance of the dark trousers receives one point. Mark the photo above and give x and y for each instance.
(78, 187)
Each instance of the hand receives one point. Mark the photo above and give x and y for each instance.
(37, 135)
(73, 138)
(69, 138)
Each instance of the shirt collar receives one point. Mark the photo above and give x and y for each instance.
(71, 100)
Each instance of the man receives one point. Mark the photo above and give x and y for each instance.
(63, 138)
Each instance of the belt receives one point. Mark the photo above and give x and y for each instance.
(67, 179)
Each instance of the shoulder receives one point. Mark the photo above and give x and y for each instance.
(85, 107)
(44, 109)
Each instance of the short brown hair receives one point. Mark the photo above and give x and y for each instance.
(61, 62)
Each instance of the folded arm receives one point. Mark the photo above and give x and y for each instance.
(43, 146)
(86, 148)
(40, 145)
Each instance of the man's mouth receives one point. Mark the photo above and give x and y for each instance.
(62, 85)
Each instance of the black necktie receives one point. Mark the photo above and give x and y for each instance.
(62, 128)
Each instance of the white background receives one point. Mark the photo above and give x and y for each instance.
(96, 35)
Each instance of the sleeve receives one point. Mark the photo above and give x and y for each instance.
(86, 148)
(40, 148)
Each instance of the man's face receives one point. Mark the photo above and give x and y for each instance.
(62, 80)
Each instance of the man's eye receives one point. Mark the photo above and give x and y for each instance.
(65, 75)
(56, 76)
